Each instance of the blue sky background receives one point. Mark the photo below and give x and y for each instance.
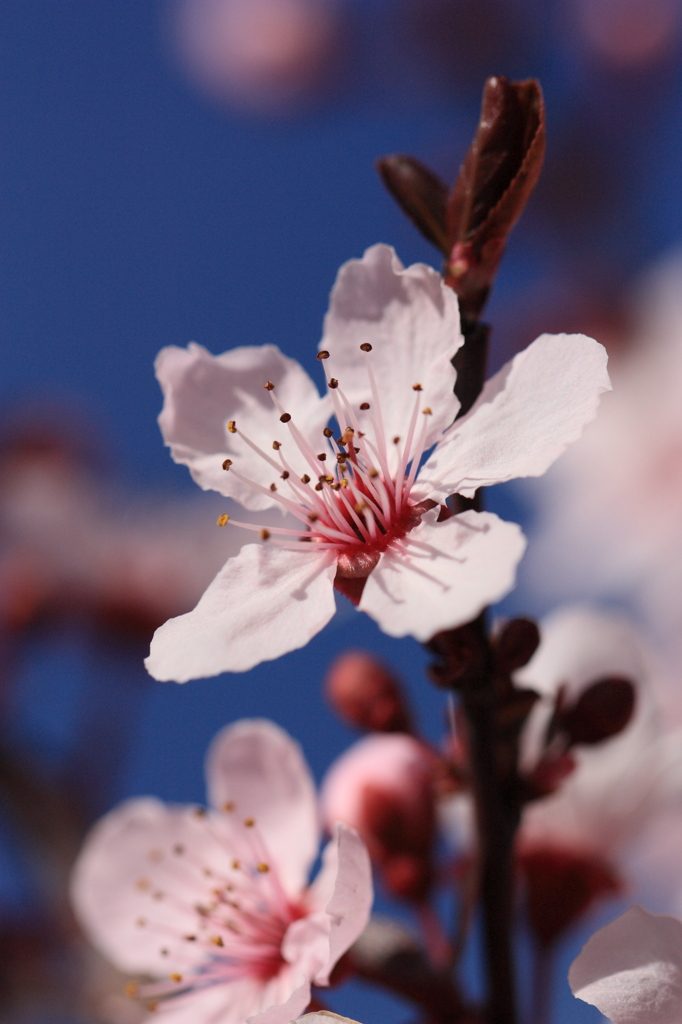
(136, 213)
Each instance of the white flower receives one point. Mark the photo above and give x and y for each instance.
(363, 515)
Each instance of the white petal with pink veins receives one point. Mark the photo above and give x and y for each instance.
(631, 970)
(259, 770)
(263, 603)
(443, 574)
(203, 393)
(130, 848)
(411, 320)
(526, 416)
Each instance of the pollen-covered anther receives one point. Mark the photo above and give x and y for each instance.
(333, 383)
(360, 506)
(236, 865)
(264, 534)
(217, 941)
(305, 479)
(364, 406)
(232, 427)
(226, 464)
(263, 868)
(319, 486)
(427, 411)
(336, 486)
(223, 520)
(341, 458)
(366, 347)
(323, 354)
(176, 977)
(285, 417)
(322, 456)
(417, 387)
(343, 483)
(373, 472)
(277, 445)
(249, 822)
(269, 386)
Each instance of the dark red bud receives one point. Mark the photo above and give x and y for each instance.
(601, 711)
(400, 836)
(462, 655)
(366, 694)
(561, 886)
(515, 644)
(421, 195)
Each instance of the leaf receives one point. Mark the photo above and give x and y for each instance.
(421, 195)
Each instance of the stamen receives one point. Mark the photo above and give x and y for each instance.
(226, 464)
(269, 386)
(232, 427)
(323, 354)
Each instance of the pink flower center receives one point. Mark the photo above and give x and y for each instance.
(351, 502)
(229, 912)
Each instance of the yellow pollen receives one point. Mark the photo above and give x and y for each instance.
(344, 483)
(277, 445)
(217, 941)
(333, 383)
(249, 822)
(175, 976)
(264, 534)
(223, 520)
(232, 427)
(366, 347)
(427, 411)
(285, 417)
(132, 989)
(269, 386)
(226, 464)
(323, 354)
(228, 806)
(305, 479)
(365, 406)
(263, 868)
(417, 387)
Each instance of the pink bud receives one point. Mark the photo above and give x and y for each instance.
(366, 694)
(383, 786)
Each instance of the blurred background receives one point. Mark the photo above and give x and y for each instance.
(197, 171)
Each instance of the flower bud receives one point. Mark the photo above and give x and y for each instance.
(383, 786)
(366, 694)
(601, 711)
(515, 644)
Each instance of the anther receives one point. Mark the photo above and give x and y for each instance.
(396, 439)
(190, 938)
(284, 475)
(217, 941)
(263, 868)
(344, 483)
(226, 464)
(179, 849)
(152, 1005)
(163, 952)
(223, 520)
(236, 865)
(360, 506)
(427, 411)
(328, 432)
(277, 445)
(200, 812)
(373, 472)
(366, 347)
(269, 386)
(249, 822)
(333, 383)
(417, 387)
(336, 487)
(341, 458)
(364, 406)
(176, 977)
(232, 427)
(323, 354)
(319, 486)
(273, 487)
(142, 884)
(264, 534)
(285, 417)
(305, 479)
(322, 456)
(313, 517)
(132, 989)
(141, 922)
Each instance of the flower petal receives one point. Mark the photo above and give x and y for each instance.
(120, 868)
(284, 1012)
(411, 320)
(343, 888)
(443, 574)
(325, 1017)
(263, 603)
(202, 393)
(631, 970)
(526, 416)
(259, 768)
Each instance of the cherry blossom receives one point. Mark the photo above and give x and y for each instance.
(214, 904)
(364, 513)
(631, 970)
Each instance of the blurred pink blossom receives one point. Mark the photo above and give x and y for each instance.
(259, 54)
(215, 904)
(629, 33)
